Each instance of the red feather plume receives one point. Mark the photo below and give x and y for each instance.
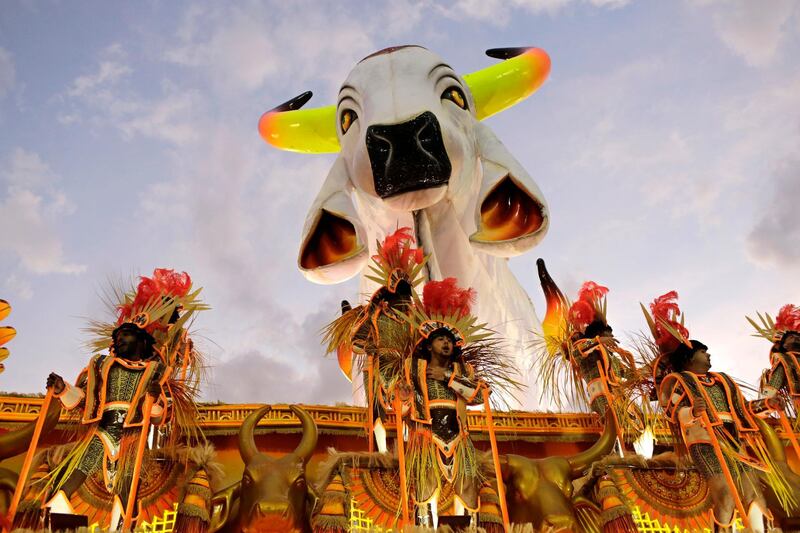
(665, 309)
(397, 251)
(584, 310)
(788, 318)
(591, 291)
(165, 282)
(447, 298)
(581, 314)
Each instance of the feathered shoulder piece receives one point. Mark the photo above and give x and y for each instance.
(788, 319)
(397, 260)
(446, 305)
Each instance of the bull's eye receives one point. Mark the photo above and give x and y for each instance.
(346, 119)
(455, 95)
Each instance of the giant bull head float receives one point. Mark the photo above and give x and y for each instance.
(414, 152)
(273, 495)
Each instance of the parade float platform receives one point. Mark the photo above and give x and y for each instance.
(343, 427)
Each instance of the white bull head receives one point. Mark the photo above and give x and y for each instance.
(413, 152)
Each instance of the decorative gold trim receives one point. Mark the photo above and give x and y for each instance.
(214, 417)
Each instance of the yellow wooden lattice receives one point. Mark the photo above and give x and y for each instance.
(645, 524)
(359, 523)
(163, 524)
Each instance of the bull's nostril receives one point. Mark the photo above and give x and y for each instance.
(407, 156)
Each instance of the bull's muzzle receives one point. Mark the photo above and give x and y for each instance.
(407, 157)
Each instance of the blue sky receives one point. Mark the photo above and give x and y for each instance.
(666, 141)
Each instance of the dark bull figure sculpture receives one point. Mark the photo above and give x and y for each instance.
(273, 494)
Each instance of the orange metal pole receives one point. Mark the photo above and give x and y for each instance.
(137, 467)
(26, 465)
(401, 457)
(789, 431)
(725, 470)
(370, 399)
(501, 490)
(610, 400)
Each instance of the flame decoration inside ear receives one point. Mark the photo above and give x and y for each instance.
(554, 324)
(494, 89)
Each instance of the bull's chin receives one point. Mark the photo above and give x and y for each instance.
(416, 200)
(271, 524)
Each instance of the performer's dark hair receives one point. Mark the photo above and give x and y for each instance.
(595, 328)
(780, 345)
(681, 356)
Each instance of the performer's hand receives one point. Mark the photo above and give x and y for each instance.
(435, 373)
(699, 407)
(777, 403)
(56, 382)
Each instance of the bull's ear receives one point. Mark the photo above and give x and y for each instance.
(511, 214)
(333, 246)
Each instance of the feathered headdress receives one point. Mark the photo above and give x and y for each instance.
(397, 260)
(445, 305)
(667, 326)
(161, 305)
(590, 306)
(788, 319)
(667, 322)
(155, 300)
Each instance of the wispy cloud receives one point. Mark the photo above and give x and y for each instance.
(32, 209)
(499, 12)
(240, 50)
(105, 97)
(775, 237)
(19, 287)
(754, 31)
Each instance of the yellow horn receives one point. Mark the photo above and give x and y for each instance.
(500, 86)
(310, 131)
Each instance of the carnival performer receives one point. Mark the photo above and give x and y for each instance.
(375, 334)
(453, 365)
(712, 420)
(579, 358)
(782, 380)
(148, 377)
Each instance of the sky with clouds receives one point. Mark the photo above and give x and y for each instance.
(666, 141)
